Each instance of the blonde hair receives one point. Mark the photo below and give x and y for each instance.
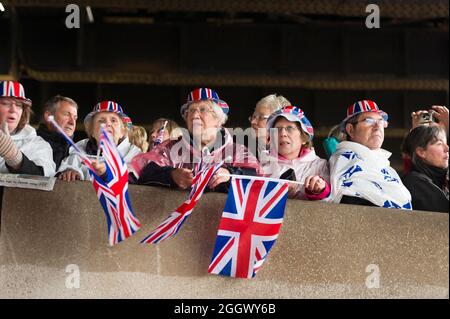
(138, 136)
(171, 127)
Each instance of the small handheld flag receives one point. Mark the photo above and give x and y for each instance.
(172, 224)
(160, 137)
(249, 227)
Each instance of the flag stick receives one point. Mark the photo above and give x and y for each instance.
(82, 154)
(262, 178)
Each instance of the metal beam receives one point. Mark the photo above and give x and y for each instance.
(416, 9)
(319, 83)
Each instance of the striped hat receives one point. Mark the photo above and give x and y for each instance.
(14, 90)
(293, 114)
(127, 121)
(105, 106)
(204, 94)
(363, 106)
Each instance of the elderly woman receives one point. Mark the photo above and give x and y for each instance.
(172, 162)
(21, 150)
(428, 179)
(292, 155)
(258, 141)
(111, 115)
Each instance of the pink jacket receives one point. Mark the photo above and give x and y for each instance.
(307, 164)
(180, 154)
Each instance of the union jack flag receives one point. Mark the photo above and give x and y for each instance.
(160, 137)
(249, 227)
(113, 193)
(173, 223)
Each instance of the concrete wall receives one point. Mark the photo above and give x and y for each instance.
(323, 250)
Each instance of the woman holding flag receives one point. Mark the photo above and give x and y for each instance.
(174, 163)
(292, 155)
(107, 113)
(21, 150)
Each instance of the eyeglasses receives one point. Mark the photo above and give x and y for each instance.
(372, 122)
(258, 117)
(289, 129)
(202, 110)
(9, 102)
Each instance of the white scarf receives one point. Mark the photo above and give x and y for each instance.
(357, 171)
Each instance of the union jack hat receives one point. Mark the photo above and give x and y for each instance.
(105, 106)
(14, 90)
(363, 106)
(204, 94)
(127, 121)
(293, 114)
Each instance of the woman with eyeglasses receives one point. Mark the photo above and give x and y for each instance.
(258, 141)
(22, 151)
(360, 171)
(427, 180)
(292, 155)
(173, 162)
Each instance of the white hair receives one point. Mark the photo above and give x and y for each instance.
(219, 113)
(273, 102)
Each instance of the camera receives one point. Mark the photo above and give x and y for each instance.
(427, 117)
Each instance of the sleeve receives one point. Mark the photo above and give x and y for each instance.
(40, 153)
(27, 167)
(160, 155)
(339, 165)
(73, 162)
(324, 194)
(153, 174)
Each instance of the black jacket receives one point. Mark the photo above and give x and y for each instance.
(28, 167)
(59, 145)
(425, 194)
(156, 175)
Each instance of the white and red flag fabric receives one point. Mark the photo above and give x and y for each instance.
(249, 227)
(113, 193)
(172, 224)
(160, 137)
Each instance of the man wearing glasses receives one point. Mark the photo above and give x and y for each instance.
(360, 169)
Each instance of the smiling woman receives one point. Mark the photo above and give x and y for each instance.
(21, 150)
(111, 115)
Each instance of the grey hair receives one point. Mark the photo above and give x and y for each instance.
(273, 102)
(51, 105)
